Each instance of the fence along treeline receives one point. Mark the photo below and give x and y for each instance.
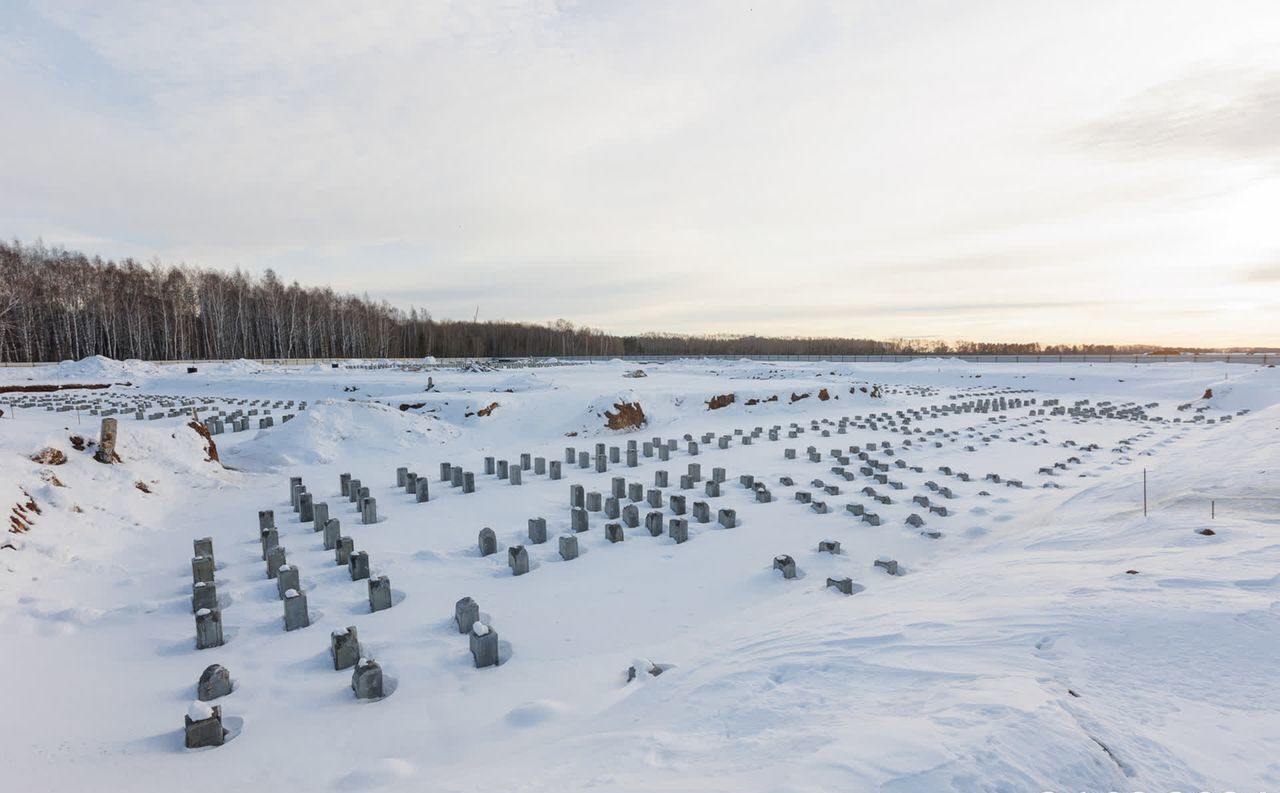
(57, 304)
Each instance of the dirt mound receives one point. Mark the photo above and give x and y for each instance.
(797, 397)
(721, 401)
(629, 416)
(754, 401)
(49, 456)
(823, 395)
(20, 519)
(485, 411)
(210, 448)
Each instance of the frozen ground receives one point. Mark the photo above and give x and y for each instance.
(1014, 653)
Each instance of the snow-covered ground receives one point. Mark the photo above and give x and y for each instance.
(1052, 638)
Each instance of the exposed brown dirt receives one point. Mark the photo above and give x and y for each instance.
(411, 406)
(629, 415)
(41, 389)
(51, 478)
(1208, 394)
(823, 395)
(721, 401)
(49, 456)
(210, 448)
(141, 485)
(754, 401)
(797, 397)
(77, 442)
(20, 519)
(485, 411)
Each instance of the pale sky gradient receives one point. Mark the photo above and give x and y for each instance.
(997, 170)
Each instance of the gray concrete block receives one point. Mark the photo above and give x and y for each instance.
(208, 628)
(295, 611)
(518, 559)
(366, 680)
(320, 515)
(342, 551)
(344, 646)
(202, 570)
(890, 566)
(269, 539)
(214, 682)
(537, 530)
(678, 530)
(843, 585)
(466, 612)
(488, 542)
(332, 531)
(203, 596)
(379, 593)
(202, 547)
(484, 645)
(204, 732)
(275, 560)
(786, 564)
(286, 579)
(568, 547)
(358, 565)
(701, 512)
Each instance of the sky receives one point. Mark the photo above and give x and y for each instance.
(993, 170)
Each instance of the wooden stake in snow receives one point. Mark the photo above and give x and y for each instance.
(107, 442)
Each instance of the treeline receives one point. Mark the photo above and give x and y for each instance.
(57, 304)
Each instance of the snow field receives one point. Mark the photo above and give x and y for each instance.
(1013, 653)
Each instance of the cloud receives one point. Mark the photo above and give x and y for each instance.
(1264, 274)
(663, 165)
(1222, 113)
